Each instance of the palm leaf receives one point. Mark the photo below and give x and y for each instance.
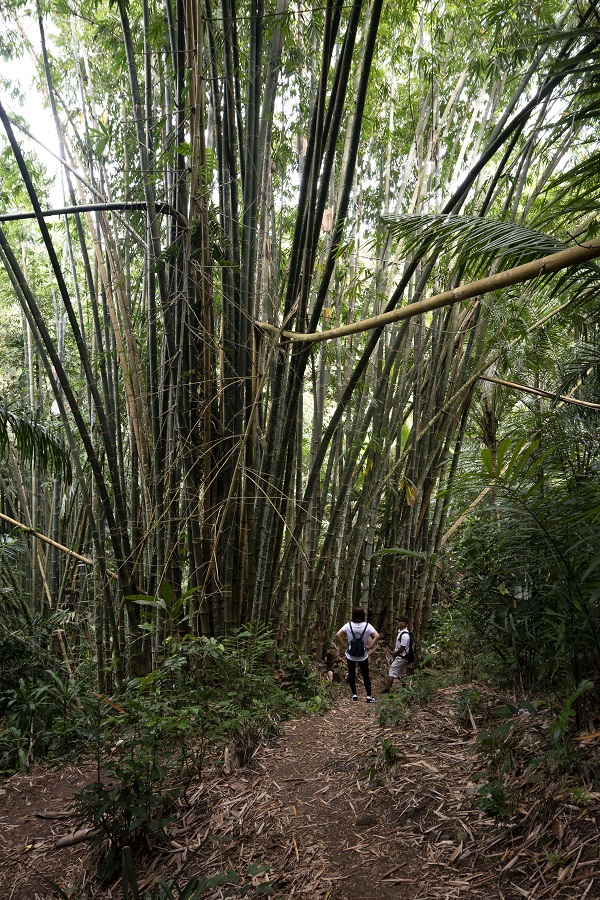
(32, 440)
(474, 242)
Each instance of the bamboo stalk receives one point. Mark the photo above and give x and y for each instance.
(555, 262)
(538, 392)
(42, 537)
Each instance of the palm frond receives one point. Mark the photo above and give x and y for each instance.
(33, 440)
(582, 176)
(581, 369)
(581, 287)
(475, 243)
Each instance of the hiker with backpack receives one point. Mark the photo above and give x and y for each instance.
(404, 654)
(358, 636)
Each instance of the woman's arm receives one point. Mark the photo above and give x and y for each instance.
(372, 640)
(342, 637)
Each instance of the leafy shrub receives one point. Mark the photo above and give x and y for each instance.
(459, 640)
(468, 701)
(389, 751)
(17, 662)
(152, 739)
(127, 803)
(204, 692)
(44, 719)
(297, 675)
(523, 578)
(527, 733)
(155, 735)
(197, 886)
(493, 799)
(526, 748)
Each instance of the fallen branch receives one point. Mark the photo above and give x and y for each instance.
(49, 814)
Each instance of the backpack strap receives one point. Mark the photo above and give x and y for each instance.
(405, 631)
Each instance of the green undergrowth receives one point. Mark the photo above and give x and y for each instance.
(414, 690)
(208, 700)
(204, 691)
(529, 749)
(254, 882)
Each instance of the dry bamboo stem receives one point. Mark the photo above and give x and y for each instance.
(47, 540)
(555, 262)
(538, 392)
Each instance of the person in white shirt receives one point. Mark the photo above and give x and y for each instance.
(358, 630)
(399, 665)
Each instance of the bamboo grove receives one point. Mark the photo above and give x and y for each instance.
(237, 174)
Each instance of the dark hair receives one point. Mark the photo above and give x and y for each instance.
(358, 614)
(402, 619)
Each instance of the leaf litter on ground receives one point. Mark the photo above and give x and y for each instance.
(341, 808)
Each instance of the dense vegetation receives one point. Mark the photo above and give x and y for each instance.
(178, 462)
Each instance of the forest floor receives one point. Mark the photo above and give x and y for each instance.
(336, 808)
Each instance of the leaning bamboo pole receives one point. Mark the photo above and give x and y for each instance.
(537, 268)
(42, 537)
(539, 393)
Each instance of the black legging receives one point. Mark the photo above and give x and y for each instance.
(363, 665)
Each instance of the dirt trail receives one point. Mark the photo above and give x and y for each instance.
(358, 821)
(33, 816)
(341, 825)
(337, 808)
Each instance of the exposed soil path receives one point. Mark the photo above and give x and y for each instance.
(339, 808)
(343, 809)
(33, 816)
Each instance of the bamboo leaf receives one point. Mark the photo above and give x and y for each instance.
(519, 458)
(515, 454)
(535, 488)
(130, 883)
(143, 600)
(166, 592)
(592, 566)
(500, 454)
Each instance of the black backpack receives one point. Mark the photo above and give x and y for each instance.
(357, 645)
(411, 650)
